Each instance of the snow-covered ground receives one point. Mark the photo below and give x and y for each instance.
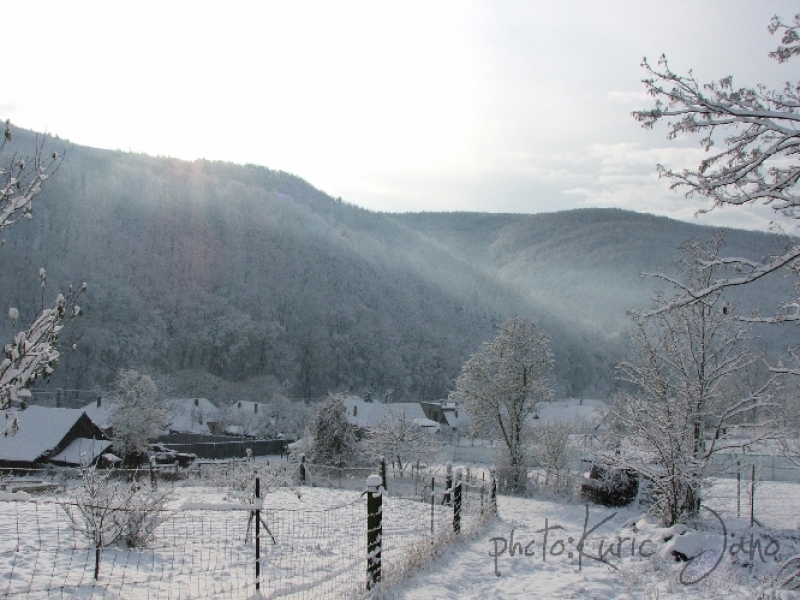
(548, 562)
(532, 549)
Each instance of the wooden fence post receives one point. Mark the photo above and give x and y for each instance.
(382, 468)
(738, 488)
(433, 508)
(258, 535)
(447, 497)
(752, 494)
(374, 491)
(457, 503)
(153, 480)
(493, 487)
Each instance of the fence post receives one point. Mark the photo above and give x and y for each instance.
(493, 487)
(258, 535)
(448, 484)
(374, 493)
(457, 503)
(738, 489)
(752, 494)
(382, 468)
(433, 503)
(302, 469)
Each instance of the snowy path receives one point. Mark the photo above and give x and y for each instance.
(468, 571)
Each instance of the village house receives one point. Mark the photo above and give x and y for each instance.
(61, 436)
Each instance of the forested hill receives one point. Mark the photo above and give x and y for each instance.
(239, 280)
(586, 265)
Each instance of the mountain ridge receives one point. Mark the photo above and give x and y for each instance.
(251, 281)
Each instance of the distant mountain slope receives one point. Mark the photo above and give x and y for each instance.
(240, 280)
(586, 265)
(206, 269)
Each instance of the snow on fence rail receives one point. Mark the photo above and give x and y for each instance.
(311, 541)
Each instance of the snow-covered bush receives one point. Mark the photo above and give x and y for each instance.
(610, 487)
(552, 451)
(239, 478)
(106, 509)
(334, 437)
(93, 508)
(143, 514)
(399, 438)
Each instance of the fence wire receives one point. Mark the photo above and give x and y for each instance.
(749, 500)
(314, 553)
(204, 544)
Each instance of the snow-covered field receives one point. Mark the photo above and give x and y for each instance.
(532, 549)
(547, 561)
(313, 545)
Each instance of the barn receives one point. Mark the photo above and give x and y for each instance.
(61, 436)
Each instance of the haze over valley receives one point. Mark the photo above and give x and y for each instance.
(229, 280)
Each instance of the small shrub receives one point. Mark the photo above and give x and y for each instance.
(610, 487)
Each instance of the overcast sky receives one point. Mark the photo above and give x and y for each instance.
(394, 106)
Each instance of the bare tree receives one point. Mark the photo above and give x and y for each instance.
(398, 436)
(552, 451)
(760, 138)
(688, 403)
(32, 353)
(137, 417)
(500, 386)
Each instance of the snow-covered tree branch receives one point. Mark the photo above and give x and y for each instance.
(757, 131)
(691, 398)
(22, 180)
(32, 353)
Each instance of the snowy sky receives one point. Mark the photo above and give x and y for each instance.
(395, 106)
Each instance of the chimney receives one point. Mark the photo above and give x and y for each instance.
(197, 401)
(255, 407)
(99, 401)
(355, 410)
(239, 404)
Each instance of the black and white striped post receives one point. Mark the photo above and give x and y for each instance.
(447, 497)
(374, 491)
(258, 534)
(457, 488)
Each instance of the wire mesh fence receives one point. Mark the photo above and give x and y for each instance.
(747, 497)
(216, 538)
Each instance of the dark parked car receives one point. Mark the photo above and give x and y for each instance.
(162, 455)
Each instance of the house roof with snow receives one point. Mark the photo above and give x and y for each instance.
(369, 414)
(245, 407)
(81, 452)
(456, 419)
(99, 411)
(188, 415)
(43, 432)
(191, 415)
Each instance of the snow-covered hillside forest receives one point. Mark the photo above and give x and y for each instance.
(236, 280)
